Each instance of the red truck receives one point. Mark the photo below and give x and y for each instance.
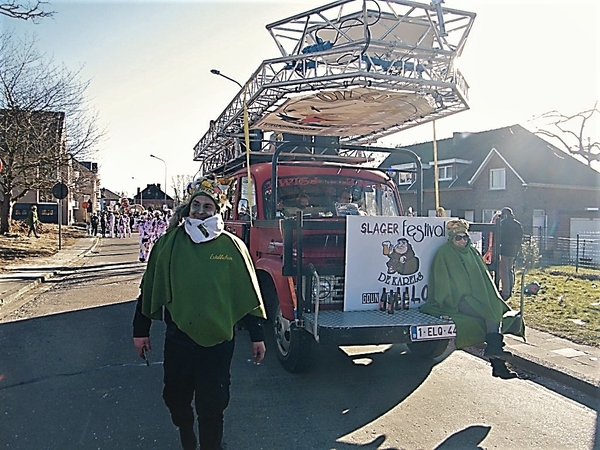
(297, 140)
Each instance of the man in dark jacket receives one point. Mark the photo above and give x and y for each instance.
(511, 235)
(94, 221)
(103, 223)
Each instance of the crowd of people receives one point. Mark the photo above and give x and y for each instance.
(121, 222)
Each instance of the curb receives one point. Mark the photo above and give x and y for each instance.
(543, 369)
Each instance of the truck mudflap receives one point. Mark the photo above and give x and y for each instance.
(376, 327)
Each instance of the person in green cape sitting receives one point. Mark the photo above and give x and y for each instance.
(461, 287)
(202, 281)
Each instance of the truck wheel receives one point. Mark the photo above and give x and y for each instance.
(293, 345)
(428, 349)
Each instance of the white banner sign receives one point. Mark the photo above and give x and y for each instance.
(392, 253)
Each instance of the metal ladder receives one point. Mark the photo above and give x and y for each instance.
(381, 48)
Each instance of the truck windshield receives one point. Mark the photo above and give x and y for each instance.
(333, 196)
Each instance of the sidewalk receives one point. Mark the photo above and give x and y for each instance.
(18, 278)
(552, 357)
(574, 365)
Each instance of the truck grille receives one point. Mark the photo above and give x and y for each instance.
(331, 290)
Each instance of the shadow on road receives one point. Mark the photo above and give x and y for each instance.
(73, 378)
(467, 439)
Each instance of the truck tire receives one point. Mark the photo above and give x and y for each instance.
(428, 349)
(293, 345)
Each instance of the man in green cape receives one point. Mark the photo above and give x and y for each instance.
(202, 281)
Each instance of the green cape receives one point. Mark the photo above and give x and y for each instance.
(206, 287)
(460, 273)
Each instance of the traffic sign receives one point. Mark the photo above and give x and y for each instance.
(60, 190)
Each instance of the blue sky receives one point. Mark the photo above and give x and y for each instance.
(149, 65)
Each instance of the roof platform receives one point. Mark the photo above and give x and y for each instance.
(354, 69)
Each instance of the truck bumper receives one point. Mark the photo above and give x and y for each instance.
(366, 327)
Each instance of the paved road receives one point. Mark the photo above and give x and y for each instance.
(69, 379)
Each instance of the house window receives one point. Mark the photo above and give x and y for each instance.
(431, 213)
(497, 179)
(445, 173)
(488, 215)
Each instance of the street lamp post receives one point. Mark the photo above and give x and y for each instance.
(163, 161)
(246, 135)
(218, 72)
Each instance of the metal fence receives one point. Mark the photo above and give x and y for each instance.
(580, 251)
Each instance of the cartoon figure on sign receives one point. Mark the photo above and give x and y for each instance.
(401, 256)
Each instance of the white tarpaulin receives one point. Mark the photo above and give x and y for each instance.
(390, 252)
(345, 112)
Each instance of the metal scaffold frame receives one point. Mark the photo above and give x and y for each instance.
(394, 48)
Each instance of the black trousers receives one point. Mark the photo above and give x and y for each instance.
(32, 228)
(201, 374)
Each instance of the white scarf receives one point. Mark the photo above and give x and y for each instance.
(204, 230)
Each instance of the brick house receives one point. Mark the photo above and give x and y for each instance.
(42, 133)
(152, 195)
(551, 193)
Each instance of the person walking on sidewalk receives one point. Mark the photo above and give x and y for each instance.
(461, 287)
(32, 221)
(511, 236)
(202, 279)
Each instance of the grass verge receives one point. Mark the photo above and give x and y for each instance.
(568, 304)
(17, 247)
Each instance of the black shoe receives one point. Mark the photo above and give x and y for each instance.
(500, 370)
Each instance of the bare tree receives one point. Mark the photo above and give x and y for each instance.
(28, 10)
(179, 185)
(45, 121)
(572, 132)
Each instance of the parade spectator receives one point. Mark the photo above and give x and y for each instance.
(94, 220)
(193, 289)
(461, 287)
(489, 253)
(511, 236)
(103, 223)
(32, 221)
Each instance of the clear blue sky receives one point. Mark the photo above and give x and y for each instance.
(150, 63)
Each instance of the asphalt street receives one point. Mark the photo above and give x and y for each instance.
(69, 379)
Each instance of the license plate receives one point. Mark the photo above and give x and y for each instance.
(428, 332)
